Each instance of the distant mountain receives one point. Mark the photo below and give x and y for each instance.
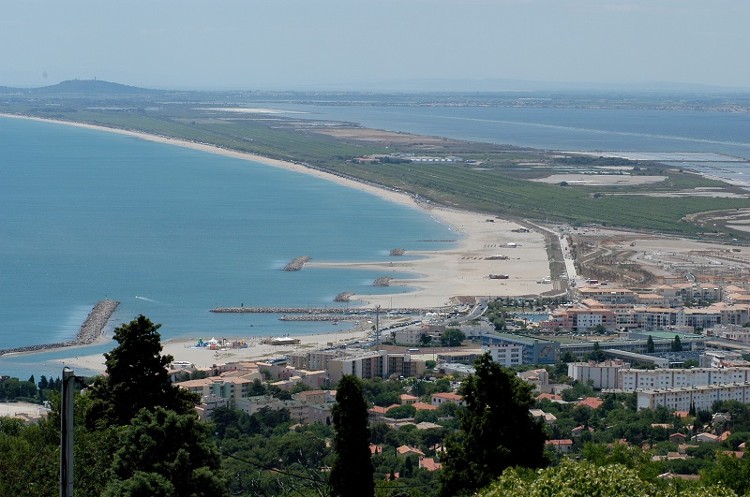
(91, 87)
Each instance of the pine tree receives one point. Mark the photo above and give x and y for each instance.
(136, 378)
(496, 431)
(352, 471)
(650, 345)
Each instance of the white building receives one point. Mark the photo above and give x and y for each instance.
(538, 378)
(603, 375)
(702, 398)
(632, 380)
(507, 355)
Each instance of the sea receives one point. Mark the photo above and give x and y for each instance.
(172, 232)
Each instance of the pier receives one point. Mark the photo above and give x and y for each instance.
(91, 330)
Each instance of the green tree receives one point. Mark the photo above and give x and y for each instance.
(597, 354)
(352, 471)
(29, 464)
(496, 430)
(729, 471)
(676, 344)
(165, 450)
(583, 479)
(452, 337)
(136, 378)
(650, 345)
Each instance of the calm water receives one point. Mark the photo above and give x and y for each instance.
(172, 232)
(559, 128)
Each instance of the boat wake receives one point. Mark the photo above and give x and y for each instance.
(146, 299)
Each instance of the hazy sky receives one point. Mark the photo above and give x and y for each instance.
(340, 44)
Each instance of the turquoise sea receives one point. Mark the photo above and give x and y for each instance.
(172, 232)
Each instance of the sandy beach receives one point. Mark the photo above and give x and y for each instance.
(184, 349)
(462, 270)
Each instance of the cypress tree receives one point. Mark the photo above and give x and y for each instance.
(352, 471)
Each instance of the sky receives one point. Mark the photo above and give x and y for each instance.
(375, 44)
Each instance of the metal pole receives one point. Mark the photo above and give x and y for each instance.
(66, 434)
(377, 328)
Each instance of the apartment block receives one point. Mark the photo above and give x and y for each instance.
(631, 380)
(702, 397)
(602, 375)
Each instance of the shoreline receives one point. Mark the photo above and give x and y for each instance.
(437, 278)
(184, 349)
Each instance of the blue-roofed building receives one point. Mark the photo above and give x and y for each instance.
(535, 350)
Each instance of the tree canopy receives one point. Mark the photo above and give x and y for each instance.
(136, 377)
(496, 430)
(583, 479)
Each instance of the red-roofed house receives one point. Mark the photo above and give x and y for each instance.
(377, 412)
(441, 398)
(562, 446)
(421, 406)
(407, 399)
(429, 464)
(406, 450)
(592, 402)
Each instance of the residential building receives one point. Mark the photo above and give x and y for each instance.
(534, 350)
(538, 378)
(506, 354)
(441, 398)
(602, 375)
(631, 380)
(701, 397)
(562, 446)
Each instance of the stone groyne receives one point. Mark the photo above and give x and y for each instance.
(91, 329)
(297, 263)
(382, 281)
(343, 297)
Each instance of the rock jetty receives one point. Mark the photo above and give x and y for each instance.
(397, 252)
(91, 329)
(297, 263)
(382, 281)
(343, 297)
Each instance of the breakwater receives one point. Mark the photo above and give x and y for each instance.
(297, 264)
(354, 311)
(91, 329)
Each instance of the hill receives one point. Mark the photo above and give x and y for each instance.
(92, 86)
